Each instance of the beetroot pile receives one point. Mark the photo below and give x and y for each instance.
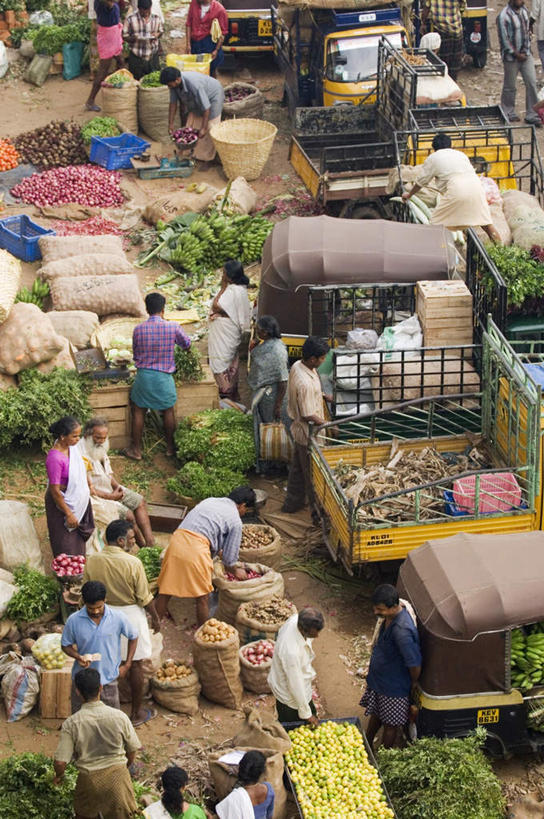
(259, 653)
(185, 136)
(251, 575)
(83, 185)
(68, 565)
(238, 92)
(55, 144)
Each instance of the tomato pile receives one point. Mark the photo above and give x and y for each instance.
(9, 158)
(68, 565)
(251, 575)
(259, 653)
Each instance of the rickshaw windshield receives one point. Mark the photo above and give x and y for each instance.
(352, 59)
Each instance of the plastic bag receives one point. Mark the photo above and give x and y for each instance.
(20, 685)
(406, 335)
(38, 70)
(18, 539)
(41, 18)
(491, 190)
(47, 650)
(7, 590)
(362, 339)
(4, 62)
(72, 54)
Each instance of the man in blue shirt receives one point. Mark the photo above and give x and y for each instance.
(92, 636)
(395, 665)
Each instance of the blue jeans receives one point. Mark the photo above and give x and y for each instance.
(206, 46)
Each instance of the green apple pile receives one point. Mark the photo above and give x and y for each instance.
(332, 774)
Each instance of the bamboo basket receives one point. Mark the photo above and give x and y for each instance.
(113, 328)
(243, 146)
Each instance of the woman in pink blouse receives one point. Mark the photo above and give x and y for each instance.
(68, 497)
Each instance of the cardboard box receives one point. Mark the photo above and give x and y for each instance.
(55, 692)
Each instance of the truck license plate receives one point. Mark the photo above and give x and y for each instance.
(265, 28)
(487, 715)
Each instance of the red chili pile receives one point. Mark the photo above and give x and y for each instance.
(251, 575)
(259, 653)
(68, 565)
(95, 226)
(82, 184)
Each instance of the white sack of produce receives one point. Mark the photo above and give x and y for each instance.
(20, 685)
(64, 359)
(7, 590)
(18, 539)
(359, 339)
(527, 225)
(241, 197)
(406, 335)
(498, 220)
(75, 325)
(352, 369)
(512, 199)
(54, 248)
(178, 202)
(437, 377)
(103, 294)
(10, 281)
(89, 264)
(27, 338)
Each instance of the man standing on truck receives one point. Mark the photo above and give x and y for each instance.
(513, 26)
(205, 29)
(445, 16)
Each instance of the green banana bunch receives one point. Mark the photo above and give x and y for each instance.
(36, 295)
(527, 657)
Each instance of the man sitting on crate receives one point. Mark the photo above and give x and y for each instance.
(102, 744)
(112, 501)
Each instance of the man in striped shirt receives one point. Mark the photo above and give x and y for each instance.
(153, 344)
(142, 31)
(515, 44)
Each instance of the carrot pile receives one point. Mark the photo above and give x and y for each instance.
(9, 158)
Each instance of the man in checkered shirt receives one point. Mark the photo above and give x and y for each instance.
(153, 344)
(142, 31)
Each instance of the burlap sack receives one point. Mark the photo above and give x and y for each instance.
(54, 248)
(7, 382)
(232, 593)
(10, 281)
(64, 359)
(224, 776)
(254, 677)
(262, 730)
(512, 199)
(153, 112)
(251, 106)
(87, 264)
(27, 338)
(105, 295)
(122, 105)
(241, 198)
(178, 202)
(269, 555)
(75, 325)
(250, 628)
(180, 695)
(438, 377)
(218, 667)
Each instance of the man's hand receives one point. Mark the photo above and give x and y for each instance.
(117, 494)
(405, 196)
(313, 721)
(82, 661)
(520, 56)
(71, 521)
(57, 780)
(124, 668)
(202, 133)
(240, 573)
(155, 623)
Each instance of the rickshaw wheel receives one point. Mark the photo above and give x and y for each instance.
(479, 60)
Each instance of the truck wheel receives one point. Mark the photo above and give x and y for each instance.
(365, 212)
(480, 59)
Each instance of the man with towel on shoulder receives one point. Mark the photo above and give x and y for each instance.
(213, 528)
(153, 344)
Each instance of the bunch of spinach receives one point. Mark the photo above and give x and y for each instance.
(188, 366)
(36, 595)
(217, 438)
(440, 778)
(27, 790)
(523, 275)
(199, 482)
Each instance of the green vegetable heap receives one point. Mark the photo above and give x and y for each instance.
(199, 482)
(151, 558)
(50, 39)
(527, 656)
(188, 366)
(36, 595)
(196, 242)
(37, 293)
(442, 779)
(523, 275)
(100, 127)
(27, 790)
(151, 80)
(118, 79)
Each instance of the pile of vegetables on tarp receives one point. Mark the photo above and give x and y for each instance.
(57, 144)
(81, 184)
(99, 127)
(215, 447)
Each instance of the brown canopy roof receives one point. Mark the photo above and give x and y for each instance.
(465, 585)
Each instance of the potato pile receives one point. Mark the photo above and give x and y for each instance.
(214, 631)
(271, 611)
(255, 537)
(171, 670)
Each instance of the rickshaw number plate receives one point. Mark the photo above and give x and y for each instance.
(487, 715)
(265, 28)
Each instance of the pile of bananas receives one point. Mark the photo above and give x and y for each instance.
(36, 295)
(527, 657)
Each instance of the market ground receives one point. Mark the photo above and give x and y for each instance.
(309, 577)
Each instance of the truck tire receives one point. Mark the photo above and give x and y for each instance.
(365, 212)
(479, 59)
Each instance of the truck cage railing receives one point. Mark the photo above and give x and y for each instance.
(489, 291)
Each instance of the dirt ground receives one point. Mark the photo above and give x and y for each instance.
(309, 576)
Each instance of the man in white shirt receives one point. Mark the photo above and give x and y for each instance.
(291, 673)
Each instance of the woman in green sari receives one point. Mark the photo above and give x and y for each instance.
(173, 804)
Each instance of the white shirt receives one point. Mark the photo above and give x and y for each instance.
(441, 165)
(157, 811)
(291, 673)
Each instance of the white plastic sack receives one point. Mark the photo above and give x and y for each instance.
(4, 62)
(18, 539)
(359, 339)
(491, 190)
(351, 371)
(20, 685)
(406, 335)
(7, 590)
(41, 18)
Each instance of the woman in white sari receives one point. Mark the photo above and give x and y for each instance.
(68, 497)
(230, 317)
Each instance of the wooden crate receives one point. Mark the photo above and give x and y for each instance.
(165, 517)
(444, 309)
(113, 403)
(197, 397)
(55, 692)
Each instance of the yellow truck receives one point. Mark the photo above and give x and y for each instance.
(250, 27)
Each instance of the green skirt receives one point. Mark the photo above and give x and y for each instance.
(153, 389)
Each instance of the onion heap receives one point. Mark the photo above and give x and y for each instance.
(185, 136)
(57, 144)
(83, 185)
(259, 653)
(68, 565)
(238, 92)
(215, 631)
(251, 575)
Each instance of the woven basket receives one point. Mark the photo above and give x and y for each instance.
(113, 328)
(243, 146)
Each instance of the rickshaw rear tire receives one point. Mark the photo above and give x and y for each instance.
(479, 60)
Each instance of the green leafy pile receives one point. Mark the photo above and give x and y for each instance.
(199, 482)
(36, 595)
(217, 438)
(27, 412)
(188, 366)
(151, 558)
(523, 275)
(100, 127)
(152, 80)
(27, 790)
(50, 39)
(439, 778)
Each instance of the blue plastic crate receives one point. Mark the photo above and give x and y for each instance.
(19, 235)
(114, 153)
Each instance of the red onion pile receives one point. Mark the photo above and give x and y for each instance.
(238, 92)
(185, 136)
(251, 575)
(259, 653)
(83, 185)
(68, 565)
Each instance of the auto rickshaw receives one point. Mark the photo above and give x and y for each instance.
(469, 593)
